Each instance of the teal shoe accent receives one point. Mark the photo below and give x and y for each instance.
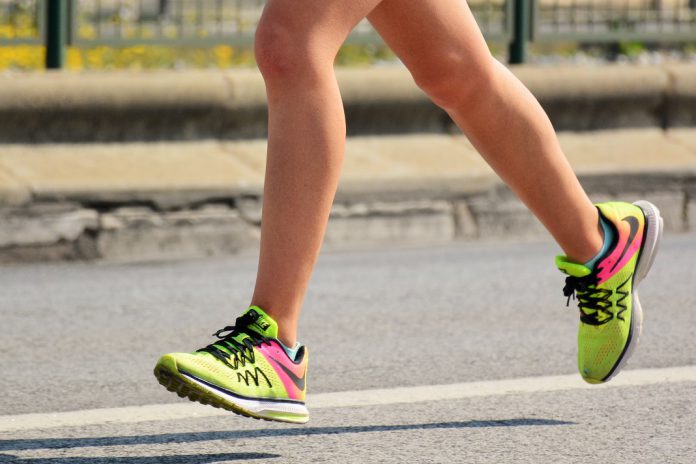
(609, 235)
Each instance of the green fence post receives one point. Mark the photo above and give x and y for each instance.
(56, 35)
(521, 26)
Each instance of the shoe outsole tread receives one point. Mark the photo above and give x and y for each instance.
(175, 383)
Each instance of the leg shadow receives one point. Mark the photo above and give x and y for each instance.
(189, 437)
(178, 459)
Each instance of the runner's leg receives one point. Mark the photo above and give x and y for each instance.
(296, 43)
(441, 44)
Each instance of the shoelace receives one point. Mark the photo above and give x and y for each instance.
(236, 352)
(591, 300)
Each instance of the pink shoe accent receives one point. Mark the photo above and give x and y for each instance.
(630, 236)
(292, 375)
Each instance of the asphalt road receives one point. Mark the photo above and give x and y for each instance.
(86, 336)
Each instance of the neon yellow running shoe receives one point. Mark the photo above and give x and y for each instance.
(247, 372)
(611, 317)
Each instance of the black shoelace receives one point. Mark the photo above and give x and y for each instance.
(236, 352)
(593, 302)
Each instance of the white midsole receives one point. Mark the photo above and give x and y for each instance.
(261, 408)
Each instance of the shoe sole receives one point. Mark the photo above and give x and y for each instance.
(187, 386)
(653, 234)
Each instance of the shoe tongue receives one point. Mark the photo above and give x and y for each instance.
(571, 268)
(261, 322)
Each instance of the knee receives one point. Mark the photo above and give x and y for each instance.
(455, 84)
(282, 53)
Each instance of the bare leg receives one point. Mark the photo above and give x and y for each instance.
(296, 44)
(441, 44)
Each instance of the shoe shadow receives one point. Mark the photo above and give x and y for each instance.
(178, 459)
(190, 437)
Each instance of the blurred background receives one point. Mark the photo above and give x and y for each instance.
(136, 129)
(156, 34)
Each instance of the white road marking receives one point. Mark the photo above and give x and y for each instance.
(347, 399)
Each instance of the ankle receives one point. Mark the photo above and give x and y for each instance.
(587, 246)
(288, 341)
(608, 235)
(284, 315)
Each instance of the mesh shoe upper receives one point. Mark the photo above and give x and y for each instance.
(249, 361)
(605, 294)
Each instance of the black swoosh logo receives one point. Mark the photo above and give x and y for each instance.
(298, 381)
(633, 222)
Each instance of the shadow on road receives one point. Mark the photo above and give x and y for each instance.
(188, 459)
(62, 443)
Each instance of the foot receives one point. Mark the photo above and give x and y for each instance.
(247, 372)
(610, 313)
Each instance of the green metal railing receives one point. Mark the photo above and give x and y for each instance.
(605, 21)
(21, 23)
(199, 23)
(57, 31)
(203, 22)
(156, 22)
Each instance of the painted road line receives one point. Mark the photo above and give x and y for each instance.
(348, 399)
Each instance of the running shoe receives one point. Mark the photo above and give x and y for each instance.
(611, 316)
(247, 371)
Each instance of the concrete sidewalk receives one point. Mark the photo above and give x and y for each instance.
(185, 199)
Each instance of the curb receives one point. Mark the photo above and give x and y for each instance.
(70, 231)
(139, 202)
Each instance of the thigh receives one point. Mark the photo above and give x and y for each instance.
(428, 35)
